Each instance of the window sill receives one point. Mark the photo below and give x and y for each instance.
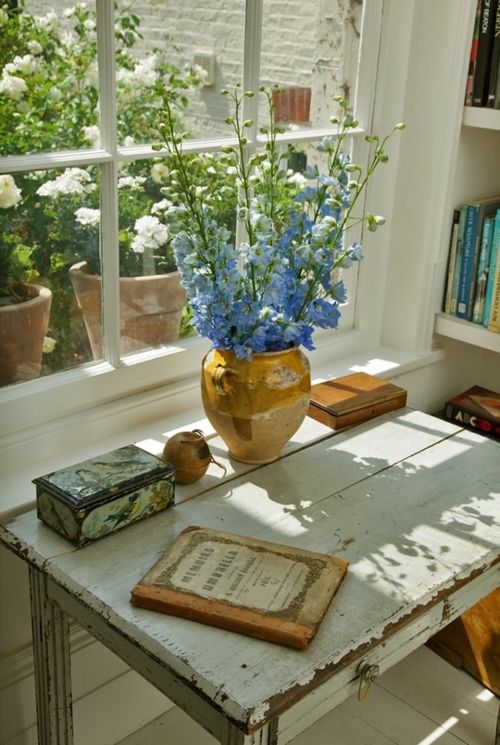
(148, 418)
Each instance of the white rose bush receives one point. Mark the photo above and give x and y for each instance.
(49, 102)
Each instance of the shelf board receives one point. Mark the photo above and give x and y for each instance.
(475, 116)
(467, 332)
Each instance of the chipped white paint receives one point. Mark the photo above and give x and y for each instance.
(410, 501)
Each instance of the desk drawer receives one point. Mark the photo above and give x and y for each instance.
(386, 654)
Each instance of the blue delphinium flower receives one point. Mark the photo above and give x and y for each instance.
(281, 282)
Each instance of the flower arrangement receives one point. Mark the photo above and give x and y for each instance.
(272, 290)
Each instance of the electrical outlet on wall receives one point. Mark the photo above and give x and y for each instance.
(206, 60)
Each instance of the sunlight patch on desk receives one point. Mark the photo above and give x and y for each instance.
(439, 732)
(485, 695)
(258, 509)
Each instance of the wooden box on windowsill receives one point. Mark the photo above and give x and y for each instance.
(353, 398)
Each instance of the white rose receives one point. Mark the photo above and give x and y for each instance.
(131, 182)
(35, 47)
(55, 94)
(12, 86)
(159, 172)
(48, 344)
(92, 134)
(25, 64)
(162, 206)
(9, 193)
(48, 22)
(71, 181)
(87, 216)
(150, 234)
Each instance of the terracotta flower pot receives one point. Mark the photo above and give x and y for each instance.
(23, 327)
(256, 406)
(150, 309)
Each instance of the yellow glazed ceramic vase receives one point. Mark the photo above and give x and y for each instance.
(256, 405)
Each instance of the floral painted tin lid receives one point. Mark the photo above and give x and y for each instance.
(105, 476)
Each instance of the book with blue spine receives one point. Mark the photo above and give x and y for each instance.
(489, 284)
(475, 213)
(483, 269)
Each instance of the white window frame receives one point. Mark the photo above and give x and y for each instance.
(33, 404)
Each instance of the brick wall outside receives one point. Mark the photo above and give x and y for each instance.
(305, 44)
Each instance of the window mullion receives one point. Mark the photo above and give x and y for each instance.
(367, 67)
(251, 64)
(108, 182)
(251, 79)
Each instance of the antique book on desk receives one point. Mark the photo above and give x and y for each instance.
(353, 398)
(268, 590)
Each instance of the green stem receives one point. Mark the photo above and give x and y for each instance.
(188, 199)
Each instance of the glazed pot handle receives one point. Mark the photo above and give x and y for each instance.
(219, 376)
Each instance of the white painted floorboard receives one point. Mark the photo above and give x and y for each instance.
(421, 701)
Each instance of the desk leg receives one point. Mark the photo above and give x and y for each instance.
(267, 735)
(52, 665)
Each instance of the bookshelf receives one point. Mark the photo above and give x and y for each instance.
(481, 118)
(470, 333)
(476, 122)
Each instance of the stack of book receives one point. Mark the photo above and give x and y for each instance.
(483, 80)
(473, 278)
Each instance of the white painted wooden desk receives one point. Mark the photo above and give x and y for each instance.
(411, 501)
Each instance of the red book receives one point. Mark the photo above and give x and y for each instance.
(476, 408)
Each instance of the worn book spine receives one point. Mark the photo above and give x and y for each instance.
(241, 620)
(452, 257)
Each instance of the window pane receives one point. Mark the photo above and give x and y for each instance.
(191, 49)
(49, 220)
(309, 50)
(48, 78)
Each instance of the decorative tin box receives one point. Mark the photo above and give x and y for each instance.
(93, 498)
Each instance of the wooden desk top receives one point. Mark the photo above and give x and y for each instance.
(411, 501)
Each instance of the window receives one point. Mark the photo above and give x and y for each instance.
(81, 183)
